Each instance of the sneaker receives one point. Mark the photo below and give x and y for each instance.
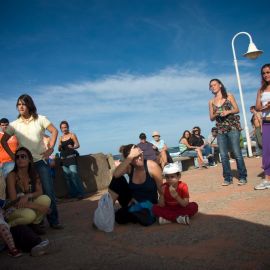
(15, 253)
(226, 183)
(242, 182)
(213, 165)
(40, 249)
(163, 221)
(263, 185)
(183, 220)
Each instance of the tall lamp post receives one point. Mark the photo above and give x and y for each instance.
(252, 53)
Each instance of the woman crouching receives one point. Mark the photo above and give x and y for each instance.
(24, 183)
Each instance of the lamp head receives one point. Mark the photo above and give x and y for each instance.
(252, 52)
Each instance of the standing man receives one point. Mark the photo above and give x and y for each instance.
(29, 129)
(6, 162)
(256, 122)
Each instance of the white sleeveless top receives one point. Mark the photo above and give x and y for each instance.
(264, 99)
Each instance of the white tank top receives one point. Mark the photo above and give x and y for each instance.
(264, 99)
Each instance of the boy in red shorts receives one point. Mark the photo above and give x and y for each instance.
(174, 205)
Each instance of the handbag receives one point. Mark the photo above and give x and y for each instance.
(104, 215)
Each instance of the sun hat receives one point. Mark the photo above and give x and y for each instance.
(171, 168)
(155, 133)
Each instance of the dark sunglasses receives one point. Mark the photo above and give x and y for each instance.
(21, 156)
(194, 130)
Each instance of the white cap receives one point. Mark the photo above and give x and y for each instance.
(171, 168)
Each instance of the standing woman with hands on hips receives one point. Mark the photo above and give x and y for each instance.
(223, 109)
(263, 105)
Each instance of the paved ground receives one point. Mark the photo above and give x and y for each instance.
(232, 231)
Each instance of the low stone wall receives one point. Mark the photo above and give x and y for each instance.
(95, 171)
(187, 162)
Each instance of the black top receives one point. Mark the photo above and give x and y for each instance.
(196, 141)
(147, 191)
(68, 155)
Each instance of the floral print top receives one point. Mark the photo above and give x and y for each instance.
(229, 122)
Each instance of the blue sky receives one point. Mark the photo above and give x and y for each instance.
(115, 68)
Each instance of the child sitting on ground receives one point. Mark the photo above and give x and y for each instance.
(174, 205)
(5, 233)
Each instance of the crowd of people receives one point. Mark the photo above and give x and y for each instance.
(147, 184)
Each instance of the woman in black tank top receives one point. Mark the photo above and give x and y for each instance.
(145, 180)
(68, 143)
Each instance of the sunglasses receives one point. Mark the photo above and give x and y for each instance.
(21, 156)
(194, 130)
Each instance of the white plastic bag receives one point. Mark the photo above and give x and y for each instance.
(104, 214)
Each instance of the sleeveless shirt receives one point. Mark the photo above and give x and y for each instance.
(229, 122)
(147, 191)
(68, 155)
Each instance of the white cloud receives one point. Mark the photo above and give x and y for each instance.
(113, 110)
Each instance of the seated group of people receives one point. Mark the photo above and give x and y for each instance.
(194, 145)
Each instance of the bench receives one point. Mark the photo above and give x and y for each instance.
(187, 162)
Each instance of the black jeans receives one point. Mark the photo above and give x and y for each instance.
(24, 237)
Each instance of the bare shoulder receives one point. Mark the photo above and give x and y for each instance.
(153, 167)
(230, 97)
(151, 164)
(11, 176)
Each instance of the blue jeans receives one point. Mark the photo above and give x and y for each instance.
(47, 185)
(231, 141)
(73, 179)
(206, 150)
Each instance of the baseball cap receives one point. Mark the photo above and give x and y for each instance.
(142, 136)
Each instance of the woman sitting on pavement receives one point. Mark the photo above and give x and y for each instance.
(174, 205)
(187, 150)
(145, 180)
(23, 182)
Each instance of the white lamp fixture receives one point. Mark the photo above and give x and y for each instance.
(252, 53)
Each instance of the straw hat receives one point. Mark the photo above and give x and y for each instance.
(155, 133)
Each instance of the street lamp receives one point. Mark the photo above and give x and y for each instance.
(252, 53)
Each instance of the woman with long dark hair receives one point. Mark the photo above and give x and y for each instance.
(29, 129)
(223, 109)
(145, 180)
(23, 183)
(187, 150)
(263, 105)
(68, 143)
